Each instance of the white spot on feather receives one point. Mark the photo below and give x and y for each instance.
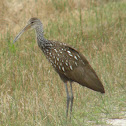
(55, 50)
(76, 63)
(66, 64)
(57, 59)
(59, 67)
(63, 68)
(71, 67)
(76, 57)
(69, 53)
(50, 54)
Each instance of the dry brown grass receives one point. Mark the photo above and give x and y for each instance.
(14, 14)
(31, 93)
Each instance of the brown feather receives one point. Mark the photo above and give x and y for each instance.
(73, 66)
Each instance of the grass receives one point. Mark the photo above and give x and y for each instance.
(31, 93)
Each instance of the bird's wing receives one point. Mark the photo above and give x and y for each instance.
(82, 73)
(68, 62)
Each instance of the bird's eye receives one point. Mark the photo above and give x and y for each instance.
(32, 22)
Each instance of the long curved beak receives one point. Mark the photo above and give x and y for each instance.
(21, 32)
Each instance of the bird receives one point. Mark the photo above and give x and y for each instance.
(70, 64)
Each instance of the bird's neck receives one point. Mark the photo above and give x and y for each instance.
(39, 35)
(39, 32)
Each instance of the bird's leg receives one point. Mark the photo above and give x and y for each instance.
(72, 97)
(68, 99)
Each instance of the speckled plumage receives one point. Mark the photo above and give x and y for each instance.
(69, 63)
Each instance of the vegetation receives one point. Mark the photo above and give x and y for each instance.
(31, 93)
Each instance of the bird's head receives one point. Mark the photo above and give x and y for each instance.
(32, 23)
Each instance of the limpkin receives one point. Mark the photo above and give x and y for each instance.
(69, 63)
